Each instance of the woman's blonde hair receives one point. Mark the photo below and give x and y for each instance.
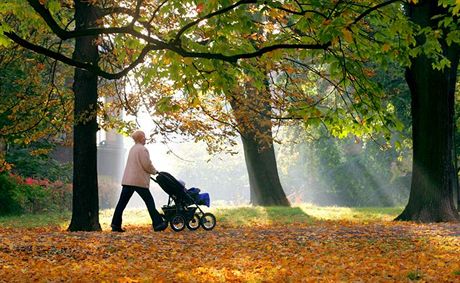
(137, 136)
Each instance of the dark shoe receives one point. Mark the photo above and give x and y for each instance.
(117, 229)
(160, 227)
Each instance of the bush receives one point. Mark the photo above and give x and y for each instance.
(31, 199)
(18, 195)
(60, 195)
(37, 166)
(8, 196)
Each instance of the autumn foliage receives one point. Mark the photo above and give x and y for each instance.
(325, 251)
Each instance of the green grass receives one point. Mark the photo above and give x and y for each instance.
(247, 216)
(51, 219)
(362, 214)
(226, 216)
(305, 213)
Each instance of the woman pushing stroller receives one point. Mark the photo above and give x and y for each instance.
(136, 178)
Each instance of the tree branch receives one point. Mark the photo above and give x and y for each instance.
(257, 53)
(153, 43)
(218, 12)
(48, 18)
(371, 9)
(69, 61)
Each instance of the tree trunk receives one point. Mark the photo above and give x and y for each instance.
(3, 146)
(264, 182)
(252, 113)
(434, 177)
(85, 203)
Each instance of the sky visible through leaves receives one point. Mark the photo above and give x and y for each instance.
(315, 251)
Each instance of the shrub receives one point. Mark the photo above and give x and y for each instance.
(30, 198)
(37, 166)
(18, 195)
(8, 196)
(60, 195)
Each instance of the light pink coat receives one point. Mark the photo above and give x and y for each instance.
(138, 167)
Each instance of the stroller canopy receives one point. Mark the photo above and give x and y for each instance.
(169, 184)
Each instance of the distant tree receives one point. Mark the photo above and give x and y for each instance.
(253, 111)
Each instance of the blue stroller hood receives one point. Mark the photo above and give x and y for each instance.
(201, 198)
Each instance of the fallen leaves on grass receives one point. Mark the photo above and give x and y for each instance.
(328, 251)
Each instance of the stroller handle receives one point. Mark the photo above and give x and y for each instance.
(153, 179)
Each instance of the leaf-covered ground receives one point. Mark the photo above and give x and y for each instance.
(325, 251)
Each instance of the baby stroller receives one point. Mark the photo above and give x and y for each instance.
(183, 208)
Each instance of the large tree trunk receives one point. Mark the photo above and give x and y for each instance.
(264, 182)
(85, 204)
(434, 176)
(252, 113)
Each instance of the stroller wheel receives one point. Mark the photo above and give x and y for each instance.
(208, 221)
(194, 223)
(177, 223)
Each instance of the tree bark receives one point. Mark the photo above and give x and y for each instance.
(252, 113)
(85, 202)
(434, 177)
(3, 147)
(264, 182)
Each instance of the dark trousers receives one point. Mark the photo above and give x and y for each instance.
(126, 194)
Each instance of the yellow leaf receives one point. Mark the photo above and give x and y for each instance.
(188, 61)
(195, 102)
(386, 47)
(347, 35)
